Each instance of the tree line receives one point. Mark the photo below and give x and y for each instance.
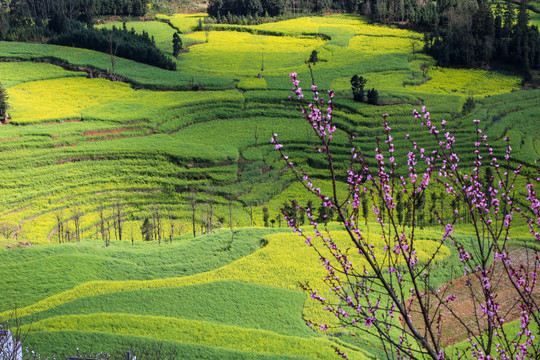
(162, 224)
(467, 33)
(442, 207)
(28, 11)
(16, 16)
(220, 9)
(159, 225)
(475, 36)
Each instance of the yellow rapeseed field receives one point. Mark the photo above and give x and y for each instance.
(467, 82)
(98, 99)
(242, 54)
(61, 99)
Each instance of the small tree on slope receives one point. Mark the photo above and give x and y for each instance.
(3, 104)
(357, 87)
(177, 44)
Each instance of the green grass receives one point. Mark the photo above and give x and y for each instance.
(469, 82)
(246, 303)
(223, 302)
(252, 84)
(92, 343)
(512, 115)
(151, 146)
(39, 267)
(249, 304)
(92, 143)
(15, 73)
(240, 54)
(98, 99)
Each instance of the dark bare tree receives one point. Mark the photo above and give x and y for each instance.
(77, 221)
(131, 232)
(103, 227)
(206, 220)
(192, 197)
(414, 46)
(59, 225)
(108, 228)
(156, 221)
(118, 208)
(113, 48)
(147, 230)
(211, 197)
(115, 227)
(3, 104)
(266, 216)
(171, 225)
(68, 234)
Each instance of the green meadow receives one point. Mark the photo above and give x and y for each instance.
(193, 147)
(243, 298)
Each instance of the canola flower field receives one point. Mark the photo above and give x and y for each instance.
(162, 141)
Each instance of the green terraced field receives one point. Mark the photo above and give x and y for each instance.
(105, 142)
(147, 144)
(243, 299)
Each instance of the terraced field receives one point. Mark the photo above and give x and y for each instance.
(241, 300)
(108, 143)
(195, 144)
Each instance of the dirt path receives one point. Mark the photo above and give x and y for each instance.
(59, 122)
(51, 234)
(12, 246)
(10, 139)
(452, 331)
(109, 131)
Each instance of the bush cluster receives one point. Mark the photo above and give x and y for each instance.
(357, 86)
(126, 44)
